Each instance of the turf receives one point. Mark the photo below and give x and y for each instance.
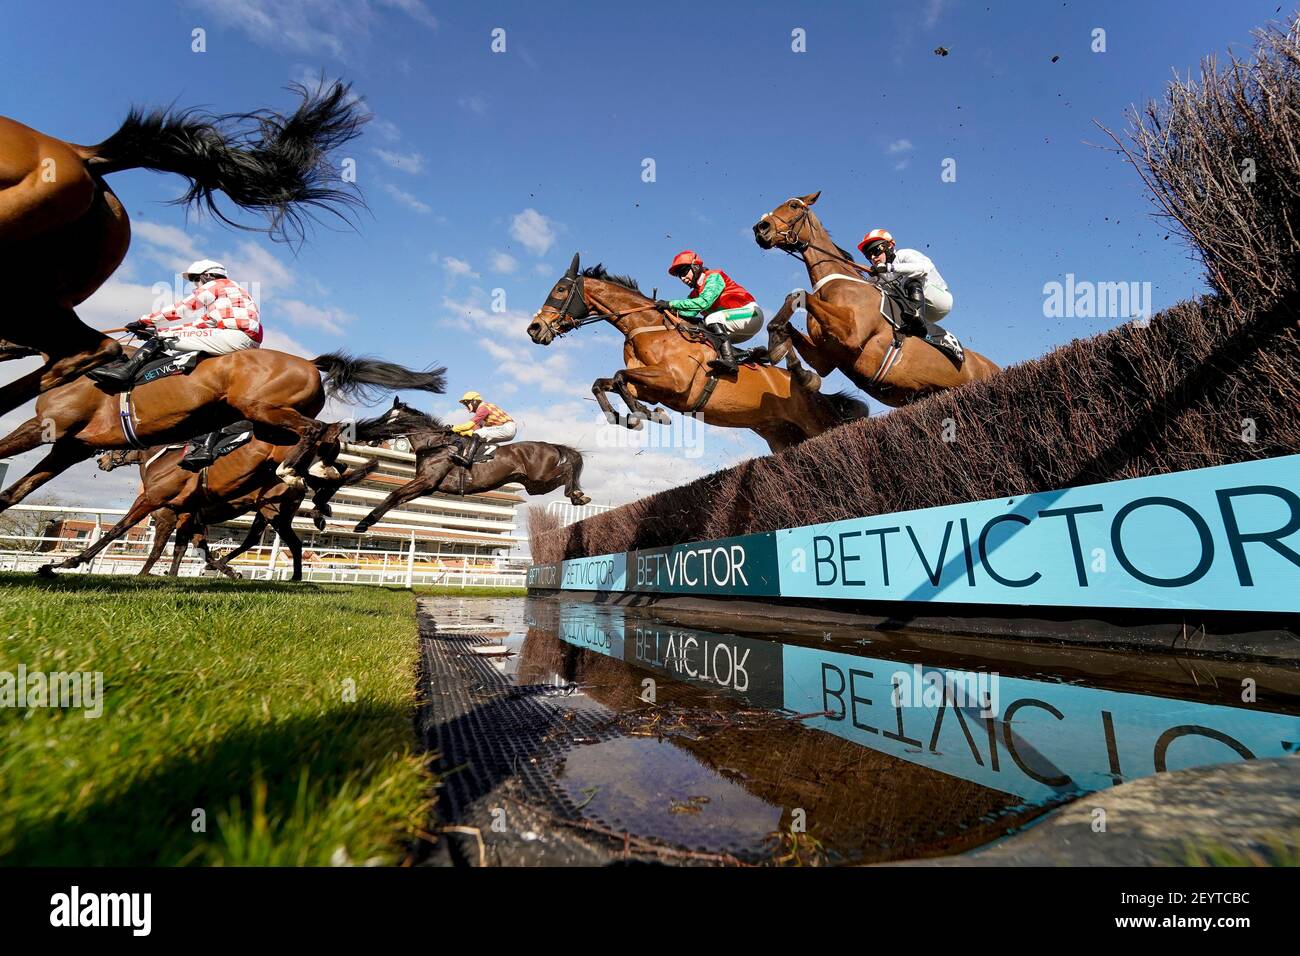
(227, 735)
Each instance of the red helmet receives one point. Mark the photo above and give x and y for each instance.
(684, 258)
(875, 235)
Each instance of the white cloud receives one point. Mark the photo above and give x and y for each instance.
(476, 103)
(457, 268)
(899, 146)
(310, 26)
(406, 199)
(412, 163)
(503, 262)
(311, 316)
(534, 231)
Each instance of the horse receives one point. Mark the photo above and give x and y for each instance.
(186, 502)
(539, 466)
(63, 232)
(279, 393)
(846, 328)
(667, 362)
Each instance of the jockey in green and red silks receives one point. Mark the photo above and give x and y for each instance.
(718, 301)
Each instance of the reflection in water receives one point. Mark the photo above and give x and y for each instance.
(725, 742)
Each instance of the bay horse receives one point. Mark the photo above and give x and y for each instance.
(846, 329)
(63, 232)
(279, 393)
(667, 363)
(187, 502)
(539, 466)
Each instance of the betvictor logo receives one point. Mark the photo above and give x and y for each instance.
(103, 909)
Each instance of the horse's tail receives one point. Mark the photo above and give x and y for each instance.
(841, 407)
(366, 380)
(264, 161)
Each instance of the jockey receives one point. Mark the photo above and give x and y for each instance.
(717, 300)
(927, 294)
(489, 426)
(220, 317)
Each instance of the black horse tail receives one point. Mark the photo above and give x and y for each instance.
(841, 407)
(366, 380)
(276, 165)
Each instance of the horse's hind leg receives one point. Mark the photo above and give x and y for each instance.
(283, 523)
(62, 456)
(571, 490)
(276, 418)
(138, 512)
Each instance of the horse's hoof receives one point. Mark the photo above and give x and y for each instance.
(361, 528)
(611, 418)
(296, 482)
(778, 352)
(809, 380)
(661, 417)
(635, 422)
(324, 472)
(46, 571)
(581, 500)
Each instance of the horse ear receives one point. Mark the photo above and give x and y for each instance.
(811, 198)
(573, 267)
(396, 401)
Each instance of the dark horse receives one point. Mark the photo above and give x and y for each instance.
(539, 466)
(63, 232)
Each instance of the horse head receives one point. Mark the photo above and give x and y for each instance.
(117, 458)
(563, 307)
(787, 226)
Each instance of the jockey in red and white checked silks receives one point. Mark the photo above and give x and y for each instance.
(219, 316)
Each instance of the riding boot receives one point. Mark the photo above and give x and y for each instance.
(203, 452)
(725, 363)
(914, 316)
(120, 374)
(465, 458)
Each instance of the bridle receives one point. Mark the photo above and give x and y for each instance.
(789, 241)
(573, 310)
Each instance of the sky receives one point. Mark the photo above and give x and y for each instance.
(485, 169)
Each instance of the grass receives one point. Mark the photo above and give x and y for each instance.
(228, 734)
(440, 590)
(1283, 849)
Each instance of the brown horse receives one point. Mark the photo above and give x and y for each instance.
(243, 480)
(277, 392)
(539, 466)
(667, 362)
(63, 232)
(846, 329)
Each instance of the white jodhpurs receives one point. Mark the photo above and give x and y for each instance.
(738, 325)
(938, 303)
(496, 434)
(212, 341)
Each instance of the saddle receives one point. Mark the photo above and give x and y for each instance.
(895, 306)
(485, 452)
(181, 363)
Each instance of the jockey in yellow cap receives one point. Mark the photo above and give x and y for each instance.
(489, 425)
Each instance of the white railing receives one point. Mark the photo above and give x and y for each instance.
(21, 550)
(568, 512)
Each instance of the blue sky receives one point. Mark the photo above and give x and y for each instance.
(487, 170)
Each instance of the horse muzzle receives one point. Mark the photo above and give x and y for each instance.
(541, 332)
(763, 234)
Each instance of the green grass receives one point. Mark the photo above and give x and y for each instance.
(439, 590)
(221, 696)
(1283, 849)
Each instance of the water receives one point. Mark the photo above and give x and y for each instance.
(856, 747)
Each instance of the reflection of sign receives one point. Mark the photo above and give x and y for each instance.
(1041, 741)
(1225, 538)
(1045, 740)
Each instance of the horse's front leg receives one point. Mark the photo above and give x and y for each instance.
(275, 418)
(659, 384)
(417, 486)
(628, 393)
(601, 389)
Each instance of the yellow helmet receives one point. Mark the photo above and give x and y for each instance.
(471, 397)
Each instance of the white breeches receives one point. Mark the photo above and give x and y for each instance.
(737, 324)
(495, 434)
(938, 303)
(212, 341)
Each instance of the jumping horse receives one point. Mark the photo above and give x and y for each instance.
(667, 362)
(847, 329)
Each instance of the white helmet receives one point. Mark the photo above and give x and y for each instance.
(204, 267)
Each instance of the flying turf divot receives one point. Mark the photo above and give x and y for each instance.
(1225, 538)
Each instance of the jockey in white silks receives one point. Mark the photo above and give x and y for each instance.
(218, 317)
(928, 295)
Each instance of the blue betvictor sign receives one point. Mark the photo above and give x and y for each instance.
(1225, 538)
